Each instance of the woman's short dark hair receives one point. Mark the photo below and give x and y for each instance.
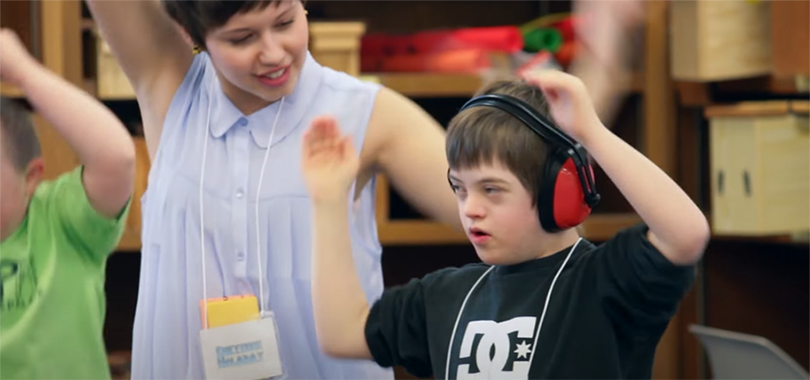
(198, 17)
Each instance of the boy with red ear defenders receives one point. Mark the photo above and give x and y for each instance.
(544, 302)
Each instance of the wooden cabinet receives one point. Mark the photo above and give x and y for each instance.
(719, 39)
(337, 44)
(760, 175)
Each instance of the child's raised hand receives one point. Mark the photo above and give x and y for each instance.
(607, 28)
(329, 160)
(14, 57)
(569, 102)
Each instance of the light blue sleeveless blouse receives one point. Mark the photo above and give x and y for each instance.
(167, 320)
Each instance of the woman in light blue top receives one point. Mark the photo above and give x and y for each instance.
(226, 211)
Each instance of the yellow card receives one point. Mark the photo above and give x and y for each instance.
(230, 310)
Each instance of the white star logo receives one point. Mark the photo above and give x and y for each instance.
(522, 349)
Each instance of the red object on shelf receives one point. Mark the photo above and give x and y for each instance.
(566, 27)
(498, 39)
(454, 61)
(567, 52)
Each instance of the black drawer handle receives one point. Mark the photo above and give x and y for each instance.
(720, 182)
(747, 183)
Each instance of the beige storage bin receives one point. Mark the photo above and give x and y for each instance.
(760, 168)
(713, 40)
(337, 45)
(111, 83)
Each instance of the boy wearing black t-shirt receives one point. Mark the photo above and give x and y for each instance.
(545, 303)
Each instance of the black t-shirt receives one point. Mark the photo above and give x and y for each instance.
(606, 314)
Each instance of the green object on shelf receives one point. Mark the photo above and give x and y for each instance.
(548, 39)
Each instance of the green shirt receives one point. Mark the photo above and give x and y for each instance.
(52, 300)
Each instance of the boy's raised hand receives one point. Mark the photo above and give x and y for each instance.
(14, 57)
(569, 102)
(329, 161)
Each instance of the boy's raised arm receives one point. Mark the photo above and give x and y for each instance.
(677, 227)
(98, 137)
(330, 165)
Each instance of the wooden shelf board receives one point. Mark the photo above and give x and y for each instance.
(447, 84)
(422, 85)
(796, 238)
(598, 227)
(419, 232)
(795, 85)
(10, 91)
(428, 84)
(601, 227)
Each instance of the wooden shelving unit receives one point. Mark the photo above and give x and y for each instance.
(413, 232)
(650, 83)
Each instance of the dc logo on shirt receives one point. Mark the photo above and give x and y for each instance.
(502, 352)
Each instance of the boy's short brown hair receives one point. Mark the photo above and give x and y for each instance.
(483, 135)
(198, 17)
(19, 138)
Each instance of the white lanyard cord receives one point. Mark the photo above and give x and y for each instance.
(548, 298)
(539, 325)
(258, 194)
(202, 215)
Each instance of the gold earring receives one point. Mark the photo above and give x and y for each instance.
(195, 49)
(306, 12)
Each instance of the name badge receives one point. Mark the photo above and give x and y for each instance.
(237, 342)
(246, 350)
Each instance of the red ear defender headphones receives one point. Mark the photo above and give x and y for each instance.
(567, 191)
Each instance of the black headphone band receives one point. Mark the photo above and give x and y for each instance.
(526, 114)
(546, 130)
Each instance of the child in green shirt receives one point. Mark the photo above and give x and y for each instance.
(55, 236)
